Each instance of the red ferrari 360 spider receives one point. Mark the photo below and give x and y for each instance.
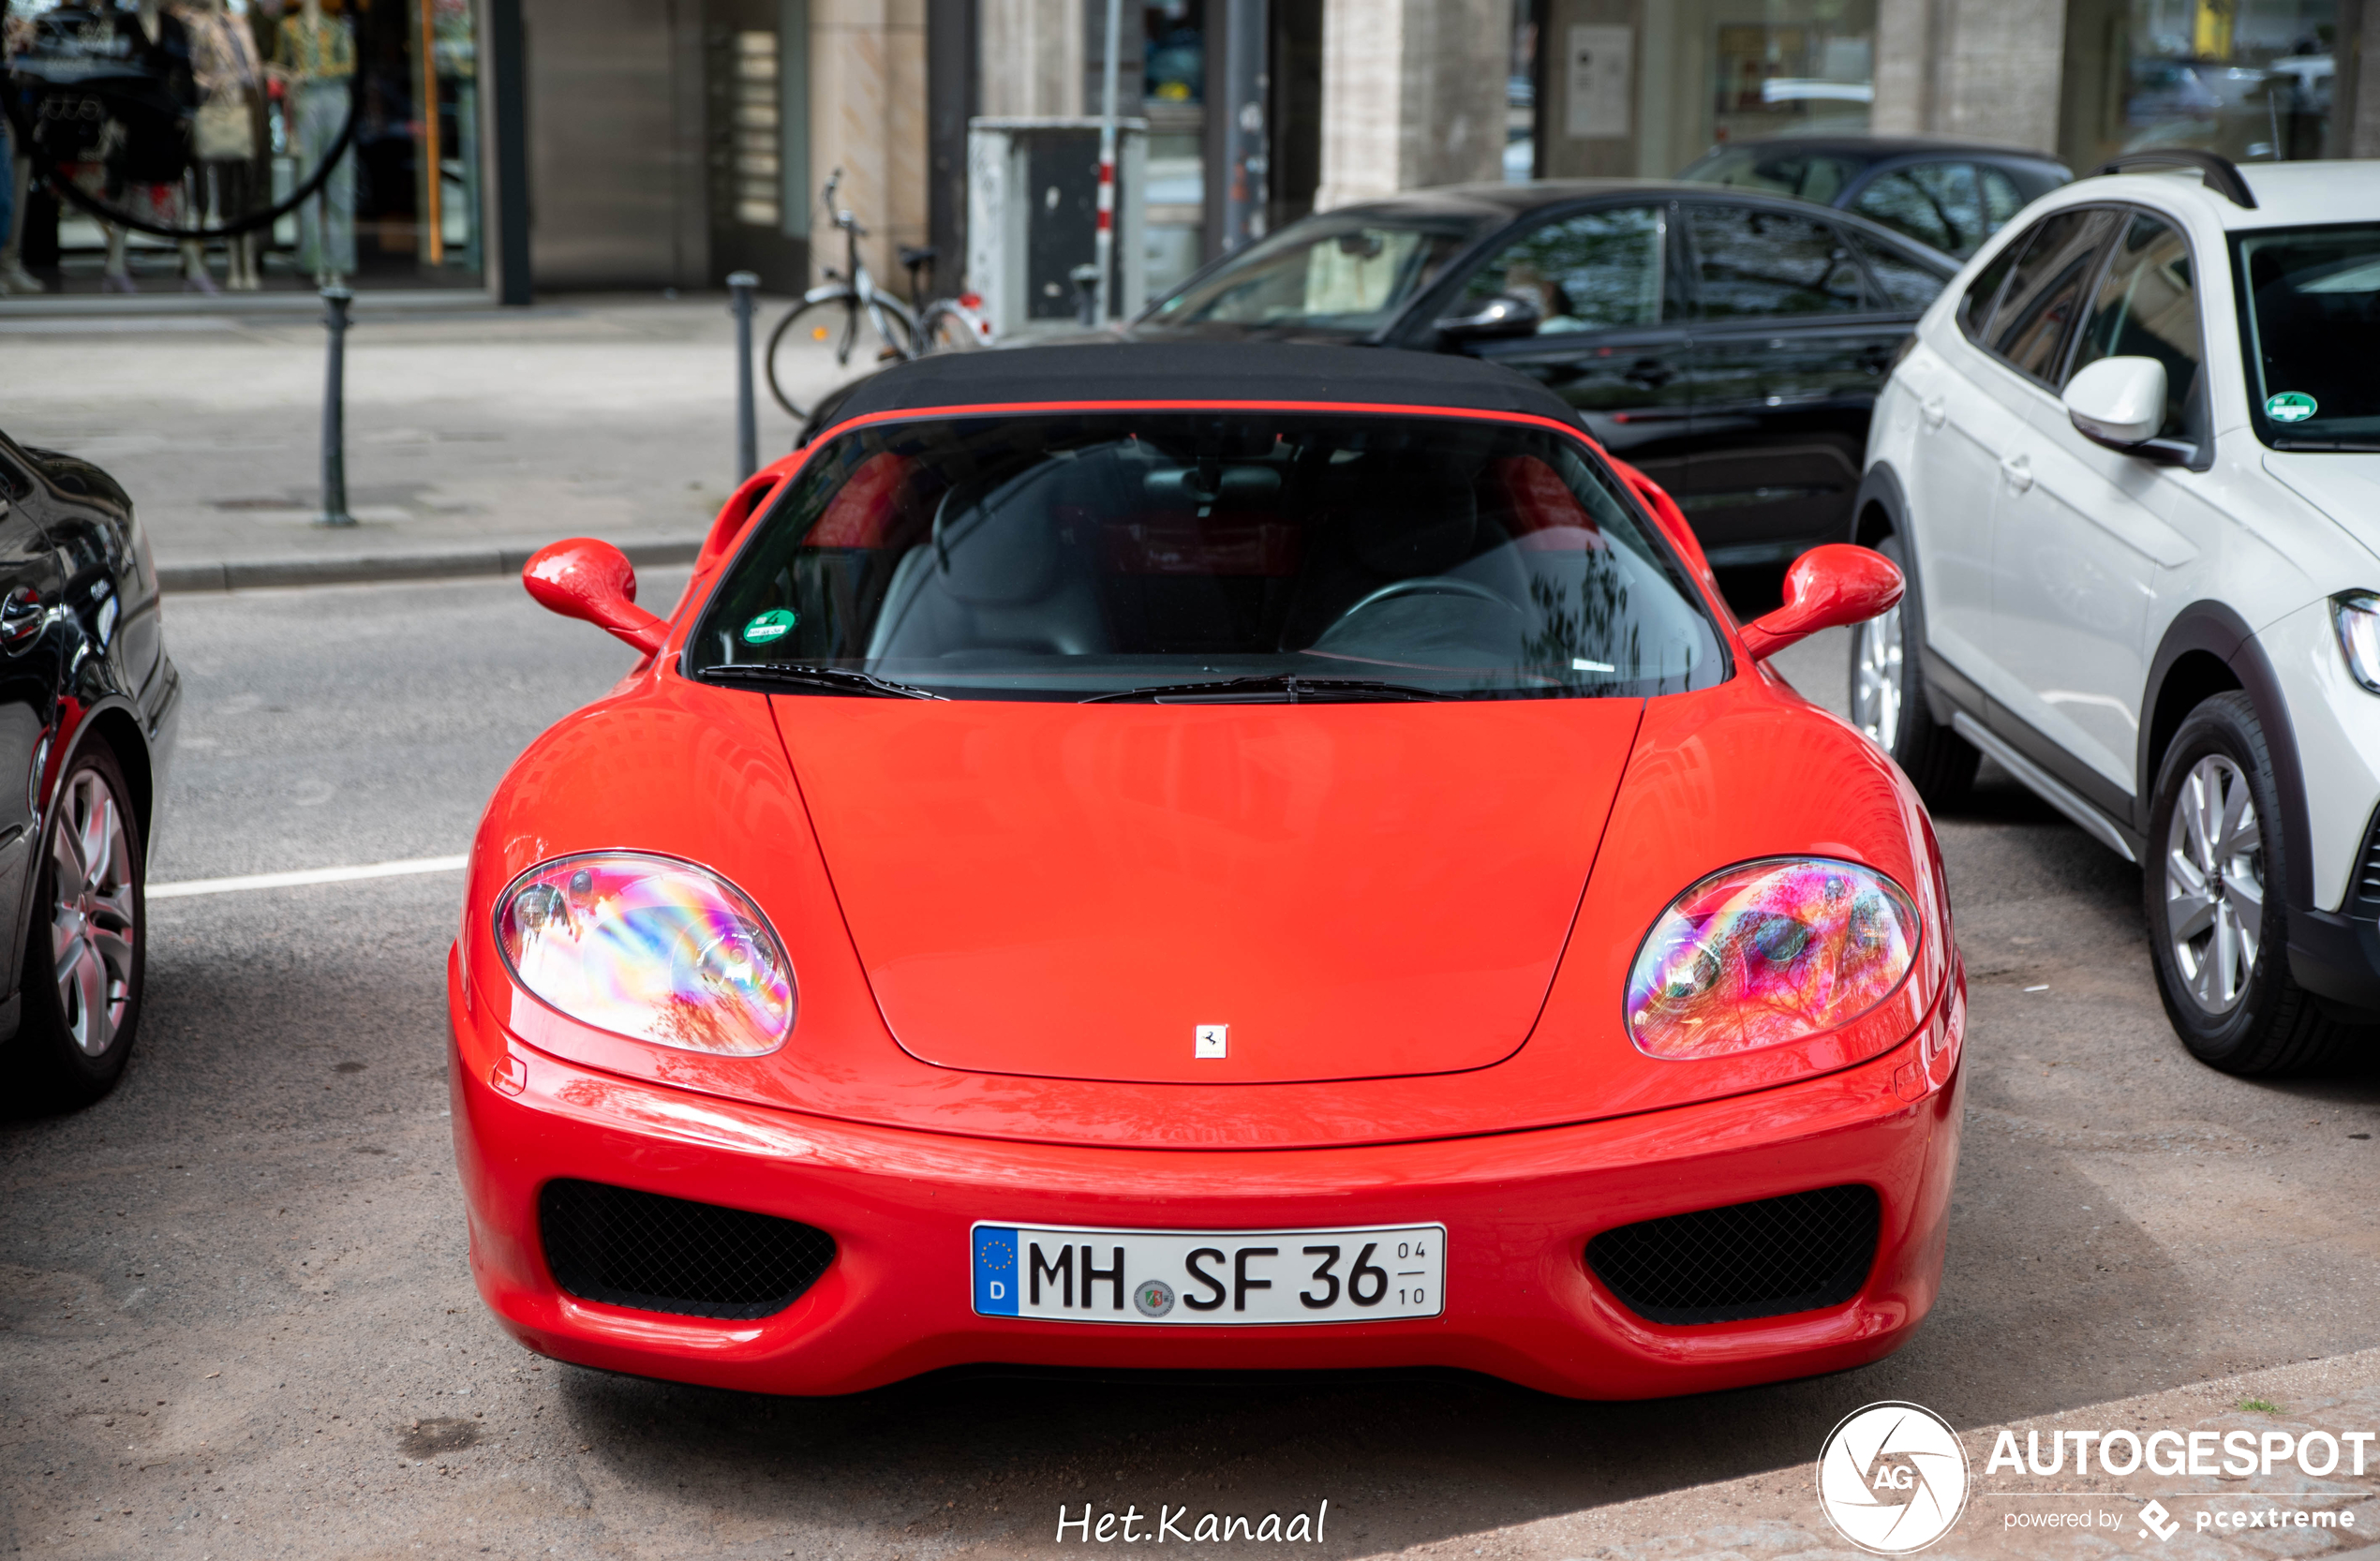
(1206, 857)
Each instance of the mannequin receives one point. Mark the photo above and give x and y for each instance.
(16, 172)
(315, 54)
(146, 155)
(227, 133)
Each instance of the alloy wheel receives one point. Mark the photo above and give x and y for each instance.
(1876, 690)
(2214, 883)
(93, 926)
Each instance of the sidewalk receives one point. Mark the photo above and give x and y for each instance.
(1776, 1516)
(474, 436)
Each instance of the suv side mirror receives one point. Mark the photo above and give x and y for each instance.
(1508, 314)
(2118, 402)
(584, 578)
(1827, 587)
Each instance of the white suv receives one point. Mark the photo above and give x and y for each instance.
(2129, 464)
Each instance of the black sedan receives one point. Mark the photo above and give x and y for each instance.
(1950, 194)
(88, 704)
(1730, 345)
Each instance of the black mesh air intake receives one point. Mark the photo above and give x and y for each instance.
(1764, 1260)
(666, 1254)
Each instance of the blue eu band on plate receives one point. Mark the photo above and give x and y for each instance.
(1210, 1277)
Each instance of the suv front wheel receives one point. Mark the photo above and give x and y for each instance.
(2217, 928)
(1888, 695)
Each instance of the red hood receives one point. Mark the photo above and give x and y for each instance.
(1070, 891)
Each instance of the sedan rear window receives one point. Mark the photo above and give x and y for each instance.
(1347, 275)
(1206, 557)
(2312, 307)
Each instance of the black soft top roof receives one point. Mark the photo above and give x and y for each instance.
(1193, 371)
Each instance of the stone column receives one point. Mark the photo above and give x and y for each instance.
(867, 117)
(1412, 95)
(1984, 68)
(1032, 59)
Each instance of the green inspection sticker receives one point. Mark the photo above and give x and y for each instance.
(774, 624)
(2289, 406)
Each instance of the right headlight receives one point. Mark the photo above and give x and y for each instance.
(649, 947)
(1767, 953)
(2357, 617)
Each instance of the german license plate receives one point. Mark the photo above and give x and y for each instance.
(1210, 1277)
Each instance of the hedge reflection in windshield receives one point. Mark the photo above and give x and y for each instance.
(1069, 557)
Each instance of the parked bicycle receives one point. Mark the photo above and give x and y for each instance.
(837, 310)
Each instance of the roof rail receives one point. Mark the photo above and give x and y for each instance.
(2221, 173)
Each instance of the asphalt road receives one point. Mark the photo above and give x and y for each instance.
(235, 1318)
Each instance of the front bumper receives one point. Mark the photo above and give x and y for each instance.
(1519, 1209)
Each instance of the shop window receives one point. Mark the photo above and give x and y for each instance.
(1815, 74)
(1754, 261)
(2256, 82)
(159, 128)
(1592, 271)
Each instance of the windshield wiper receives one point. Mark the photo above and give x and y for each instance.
(2364, 447)
(829, 679)
(1292, 688)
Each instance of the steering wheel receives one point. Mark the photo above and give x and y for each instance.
(1431, 585)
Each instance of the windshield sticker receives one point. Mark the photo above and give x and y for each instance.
(2289, 406)
(774, 624)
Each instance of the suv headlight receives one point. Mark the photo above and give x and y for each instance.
(2357, 617)
(651, 949)
(1767, 953)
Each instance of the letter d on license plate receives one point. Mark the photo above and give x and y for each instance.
(1210, 1277)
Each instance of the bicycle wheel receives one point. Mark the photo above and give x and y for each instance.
(835, 321)
(948, 327)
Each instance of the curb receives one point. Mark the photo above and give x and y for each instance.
(254, 573)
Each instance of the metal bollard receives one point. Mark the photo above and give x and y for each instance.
(335, 303)
(741, 283)
(1086, 280)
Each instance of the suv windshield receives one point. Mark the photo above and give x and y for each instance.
(1203, 557)
(2310, 301)
(1342, 274)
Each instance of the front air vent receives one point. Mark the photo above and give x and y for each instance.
(662, 1254)
(2364, 896)
(1763, 1259)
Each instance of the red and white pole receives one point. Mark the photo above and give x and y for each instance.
(1105, 250)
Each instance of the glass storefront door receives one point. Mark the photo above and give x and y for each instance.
(2254, 80)
(208, 147)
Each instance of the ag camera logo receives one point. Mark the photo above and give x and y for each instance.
(1892, 1477)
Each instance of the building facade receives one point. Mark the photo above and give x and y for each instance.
(520, 146)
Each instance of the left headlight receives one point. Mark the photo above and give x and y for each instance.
(651, 949)
(2357, 617)
(1766, 953)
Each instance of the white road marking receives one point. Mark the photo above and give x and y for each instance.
(309, 876)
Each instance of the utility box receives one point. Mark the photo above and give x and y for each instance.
(1033, 216)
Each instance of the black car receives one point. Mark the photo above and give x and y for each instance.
(1729, 344)
(88, 705)
(1949, 193)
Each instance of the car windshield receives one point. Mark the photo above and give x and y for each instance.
(2311, 305)
(1344, 273)
(1241, 556)
(1811, 175)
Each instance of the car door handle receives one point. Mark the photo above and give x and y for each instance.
(2018, 470)
(21, 614)
(1651, 372)
(1933, 411)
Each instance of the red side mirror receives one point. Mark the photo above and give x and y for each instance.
(1827, 587)
(584, 578)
